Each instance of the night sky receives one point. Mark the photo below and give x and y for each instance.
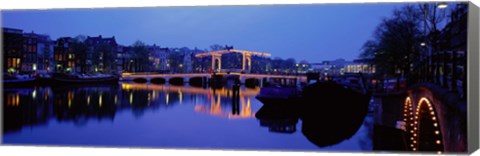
(305, 32)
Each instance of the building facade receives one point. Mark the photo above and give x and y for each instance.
(360, 66)
(44, 54)
(101, 54)
(29, 56)
(12, 50)
(64, 56)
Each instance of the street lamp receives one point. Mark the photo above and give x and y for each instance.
(442, 5)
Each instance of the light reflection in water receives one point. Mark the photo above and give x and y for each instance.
(215, 108)
(88, 100)
(166, 99)
(78, 105)
(116, 99)
(13, 99)
(180, 95)
(34, 94)
(131, 98)
(100, 100)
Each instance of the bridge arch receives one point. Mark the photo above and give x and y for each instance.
(140, 80)
(176, 80)
(422, 125)
(158, 80)
(197, 81)
(217, 64)
(251, 82)
(428, 133)
(248, 64)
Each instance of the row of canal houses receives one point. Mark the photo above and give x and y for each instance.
(32, 53)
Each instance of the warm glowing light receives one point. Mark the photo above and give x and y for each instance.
(414, 149)
(411, 145)
(411, 138)
(220, 52)
(100, 101)
(180, 96)
(34, 94)
(70, 98)
(439, 152)
(88, 100)
(115, 99)
(435, 124)
(191, 90)
(166, 98)
(423, 44)
(17, 100)
(433, 118)
(442, 5)
(438, 142)
(437, 132)
(131, 98)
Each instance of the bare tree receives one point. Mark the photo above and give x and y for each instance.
(395, 46)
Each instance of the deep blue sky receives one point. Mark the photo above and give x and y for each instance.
(304, 32)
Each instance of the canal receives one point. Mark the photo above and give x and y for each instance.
(162, 116)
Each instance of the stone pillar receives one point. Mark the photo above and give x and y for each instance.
(215, 57)
(246, 60)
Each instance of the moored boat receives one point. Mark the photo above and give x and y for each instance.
(18, 80)
(83, 79)
(284, 92)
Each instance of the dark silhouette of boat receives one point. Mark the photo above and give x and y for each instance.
(278, 118)
(331, 112)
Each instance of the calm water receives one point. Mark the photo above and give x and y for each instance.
(160, 116)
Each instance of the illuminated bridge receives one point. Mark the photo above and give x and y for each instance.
(246, 58)
(187, 77)
(432, 111)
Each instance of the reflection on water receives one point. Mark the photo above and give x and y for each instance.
(212, 105)
(148, 115)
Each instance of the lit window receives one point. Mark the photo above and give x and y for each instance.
(9, 62)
